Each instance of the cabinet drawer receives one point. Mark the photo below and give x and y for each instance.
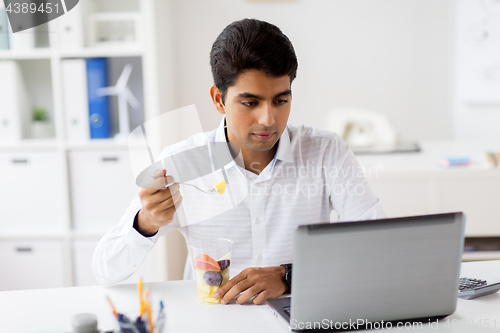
(83, 251)
(478, 199)
(102, 186)
(31, 191)
(406, 198)
(31, 265)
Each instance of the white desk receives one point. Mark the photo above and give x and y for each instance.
(48, 309)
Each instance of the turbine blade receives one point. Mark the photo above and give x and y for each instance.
(106, 91)
(131, 98)
(125, 75)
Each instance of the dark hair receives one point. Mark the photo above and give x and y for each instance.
(251, 44)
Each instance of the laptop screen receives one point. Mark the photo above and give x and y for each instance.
(387, 269)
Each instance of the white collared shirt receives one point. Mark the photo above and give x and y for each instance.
(313, 172)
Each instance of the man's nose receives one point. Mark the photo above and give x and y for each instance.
(266, 116)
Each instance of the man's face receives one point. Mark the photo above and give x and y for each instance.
(257, 109)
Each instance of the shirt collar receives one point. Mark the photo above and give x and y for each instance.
(220, 135)
(284, 151)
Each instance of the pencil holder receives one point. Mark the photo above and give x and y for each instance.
(128, 323)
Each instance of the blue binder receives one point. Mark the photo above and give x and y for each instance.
(100, 127)
(4, 30)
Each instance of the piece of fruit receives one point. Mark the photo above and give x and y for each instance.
(211, 300)
(206, 293)
(198, 273)
(225, 276)
(224, 263)
(221, 187)
(226, 256)
(206, 263)
(205, 290)
(212, 278)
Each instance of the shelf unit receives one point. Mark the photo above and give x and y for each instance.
(60, 188)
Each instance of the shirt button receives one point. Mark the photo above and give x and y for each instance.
(259, 257)
(257, 220)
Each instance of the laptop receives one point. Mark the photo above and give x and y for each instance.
(360, 275)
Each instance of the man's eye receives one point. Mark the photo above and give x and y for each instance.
(281, 101)
(248, 103)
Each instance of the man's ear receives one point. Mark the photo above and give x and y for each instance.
(217, 99)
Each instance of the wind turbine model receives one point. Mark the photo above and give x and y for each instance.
(124, 94)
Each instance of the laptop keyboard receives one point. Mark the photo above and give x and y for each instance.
(287, 310)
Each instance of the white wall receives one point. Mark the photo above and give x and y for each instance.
(393, 56)
(477, 110)
(477, 123)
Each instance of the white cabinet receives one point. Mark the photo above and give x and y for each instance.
(404, 197)
(416, 184)
(475, 193)
(31, 191)
(63, 194)
(28, 264)
(102, 185)
(478, 196)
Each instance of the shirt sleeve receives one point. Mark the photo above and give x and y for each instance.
(350, 194)
(121, 251)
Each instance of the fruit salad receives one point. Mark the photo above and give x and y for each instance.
(210, 276)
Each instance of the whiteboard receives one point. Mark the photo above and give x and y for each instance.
(478, 56)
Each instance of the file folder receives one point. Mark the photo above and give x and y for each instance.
(25, 39)
(15, 106)
(100, 127)
(4, 28)
(71, 28)
(76, 102)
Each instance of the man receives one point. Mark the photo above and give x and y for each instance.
(295, 175)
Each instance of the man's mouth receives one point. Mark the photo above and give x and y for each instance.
(264, 135)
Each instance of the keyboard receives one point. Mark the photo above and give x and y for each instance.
(469, 288)
(287, 310)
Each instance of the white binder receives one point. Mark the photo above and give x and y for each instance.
(4, 28)
(22, 40)
(76, 103)
(15, 108)
(71, 32)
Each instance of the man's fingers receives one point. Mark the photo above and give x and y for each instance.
(169, 180)
(261, 283)
(237, 289)
(161, 201)
(229, 284)
(165, 193)
(157, 202)
(171, 201)
(261, 297)
(158, 183)
(172, 189)
(159, 173)
(249, 293)
(166, 214)
(165, 180)
(222, 290)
